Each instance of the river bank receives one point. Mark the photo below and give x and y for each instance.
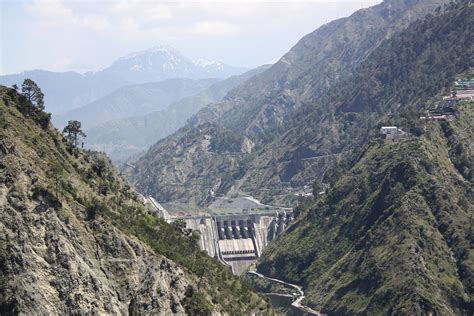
(289, 296)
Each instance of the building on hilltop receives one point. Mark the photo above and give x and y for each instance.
(389, 131)
(392, 132)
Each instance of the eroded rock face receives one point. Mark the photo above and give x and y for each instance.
(55, 261)
(62, 266)
(185, 177)
(75, 238)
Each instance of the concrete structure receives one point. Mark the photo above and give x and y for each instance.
(156, 207)
(465, 94)
(237, 240)
(389, 131)
(392, 132)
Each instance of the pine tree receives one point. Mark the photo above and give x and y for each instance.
(33, 94)
(72, 132)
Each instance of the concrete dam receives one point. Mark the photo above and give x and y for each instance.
(237, 240)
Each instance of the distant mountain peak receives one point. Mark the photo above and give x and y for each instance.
(155, 50)
(69, 90)
(173, 56)
(205, 63)
(165, 62)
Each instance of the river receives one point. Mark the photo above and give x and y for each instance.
(297, 307)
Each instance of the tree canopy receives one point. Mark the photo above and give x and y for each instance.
(73, 132)
(33, 94)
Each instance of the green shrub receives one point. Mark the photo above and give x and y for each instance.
(43, 193)
(3, 121)
(197, 304)
(42, 118)
(95, 207)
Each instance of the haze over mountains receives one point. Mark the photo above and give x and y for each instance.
(356, 147)
(123, 138)
(134, 100)
(65, 91)
(271, 111)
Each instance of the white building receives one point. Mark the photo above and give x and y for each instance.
(389, 131)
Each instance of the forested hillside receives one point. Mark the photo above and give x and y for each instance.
(395, 233)
(76, 239)
(416, 64)
(317, 62)
(293, 114)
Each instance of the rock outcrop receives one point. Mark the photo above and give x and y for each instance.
(76, 239)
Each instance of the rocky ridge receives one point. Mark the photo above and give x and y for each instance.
(293, 111)
(75, 238)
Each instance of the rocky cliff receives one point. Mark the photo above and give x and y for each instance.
(75, 238)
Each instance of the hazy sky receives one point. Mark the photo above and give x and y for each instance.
(89, 35)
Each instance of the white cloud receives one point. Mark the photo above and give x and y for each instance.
(95, 22)
(157, 13)
(147, 11)
(214, 28)
(55, 14)
(128, 25)
(54, 9)
(92, 33)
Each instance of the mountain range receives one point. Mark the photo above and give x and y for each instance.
(382, 224)
(164, 62)
(124, 138)
(289, 116)
(134, 100)
(65, 91)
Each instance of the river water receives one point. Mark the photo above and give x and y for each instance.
(291, 303)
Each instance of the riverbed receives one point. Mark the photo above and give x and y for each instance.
(279, 300)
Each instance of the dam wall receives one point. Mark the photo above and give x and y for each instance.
(238, 239)
(207, 230)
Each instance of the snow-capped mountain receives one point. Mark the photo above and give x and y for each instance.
(65, 91)
(164, 62)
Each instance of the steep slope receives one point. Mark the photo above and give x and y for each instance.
(292, 115)
(75, 239)
(203, 163)
(412, 66)
(65, 91)
(134, 100)
(313, 65)
(395, 233)
(121, 139)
